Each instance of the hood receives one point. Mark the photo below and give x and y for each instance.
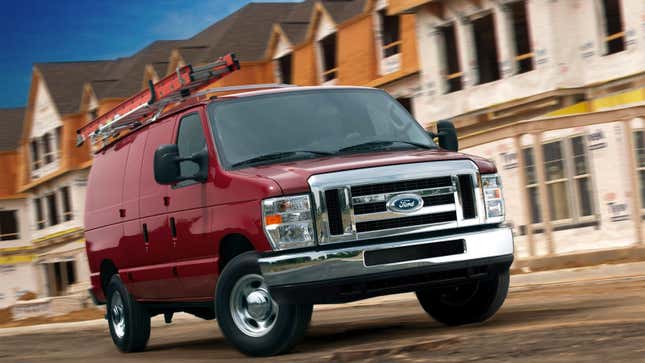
(292, 176)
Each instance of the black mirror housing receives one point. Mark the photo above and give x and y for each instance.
(167, 161)
(447, 136)
(166, 164)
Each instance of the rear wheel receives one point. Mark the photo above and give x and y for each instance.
(248, 316)
(469, 303)
(128, 320)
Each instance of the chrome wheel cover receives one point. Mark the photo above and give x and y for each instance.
(253, 310)
(117, 314)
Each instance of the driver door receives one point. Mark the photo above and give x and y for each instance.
(195, 247)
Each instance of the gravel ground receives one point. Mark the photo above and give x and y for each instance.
(556, 322)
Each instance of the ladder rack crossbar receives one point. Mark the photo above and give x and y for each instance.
(132, 112)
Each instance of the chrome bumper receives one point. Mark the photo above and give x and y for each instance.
(343, 262)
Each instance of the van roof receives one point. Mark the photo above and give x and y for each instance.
(287, 90)
(192, 102)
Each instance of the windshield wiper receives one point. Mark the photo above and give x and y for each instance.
(277, 156)
(377, 144)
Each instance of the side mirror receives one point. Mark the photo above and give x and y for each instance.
(447, 136)
(167, 162)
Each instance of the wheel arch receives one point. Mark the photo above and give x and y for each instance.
(233, 245)
(108, 269)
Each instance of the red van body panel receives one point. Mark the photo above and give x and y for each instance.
(123, 197)
(165, 240)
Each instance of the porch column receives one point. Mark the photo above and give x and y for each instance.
(51, 279)
(545, 211)
(526, 204)
(635, 196)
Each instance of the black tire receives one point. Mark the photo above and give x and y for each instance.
(471, 303)
(289, 324)
(136, 331)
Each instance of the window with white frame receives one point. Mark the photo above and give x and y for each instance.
(67, 204)
(45, 150)
(390, 34)
(532, 186)
(567, 178)
(52, 209)
(581, 176)
(284, 65)
(34, 148)
(9, 225)
(59, 141)
(38, 214)
(48, 149)
(612, 19)
(556, 180)
(328, 57)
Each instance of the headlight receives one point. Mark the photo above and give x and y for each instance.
(288, 222)
(493, 198)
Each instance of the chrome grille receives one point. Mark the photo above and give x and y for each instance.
(375, 207)
(405, 221)
(401, 186)
(352, 205)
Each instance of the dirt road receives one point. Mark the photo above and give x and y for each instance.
(572, 322)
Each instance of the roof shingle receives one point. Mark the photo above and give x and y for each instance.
(246, 32)
(11, 120)
(65, 81)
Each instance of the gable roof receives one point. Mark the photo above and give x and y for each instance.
(297, 23)
(109, 78)
(295, 31)
(130, 71)
(65, 81)
(245, 32)
(11, 120)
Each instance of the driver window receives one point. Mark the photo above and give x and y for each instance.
(190, 139)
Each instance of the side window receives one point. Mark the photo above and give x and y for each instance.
(190, 139)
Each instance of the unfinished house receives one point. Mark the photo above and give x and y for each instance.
(553, 92)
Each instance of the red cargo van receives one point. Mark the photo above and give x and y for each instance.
(252, 207)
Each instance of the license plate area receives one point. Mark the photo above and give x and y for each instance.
(415, 252)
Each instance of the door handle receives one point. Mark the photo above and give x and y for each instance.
(145, 233)
(173, 228)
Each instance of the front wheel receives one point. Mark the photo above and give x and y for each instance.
(128, 319)
(248, 316)
(469, 303)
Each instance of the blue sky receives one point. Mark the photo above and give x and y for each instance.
(35, 31)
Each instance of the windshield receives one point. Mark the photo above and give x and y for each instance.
(274, 127)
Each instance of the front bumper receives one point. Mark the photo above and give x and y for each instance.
(289, 275)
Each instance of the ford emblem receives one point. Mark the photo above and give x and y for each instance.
(405, 203)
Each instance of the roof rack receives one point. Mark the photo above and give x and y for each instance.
(147, 105)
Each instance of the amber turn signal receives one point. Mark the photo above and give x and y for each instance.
(273, 219)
